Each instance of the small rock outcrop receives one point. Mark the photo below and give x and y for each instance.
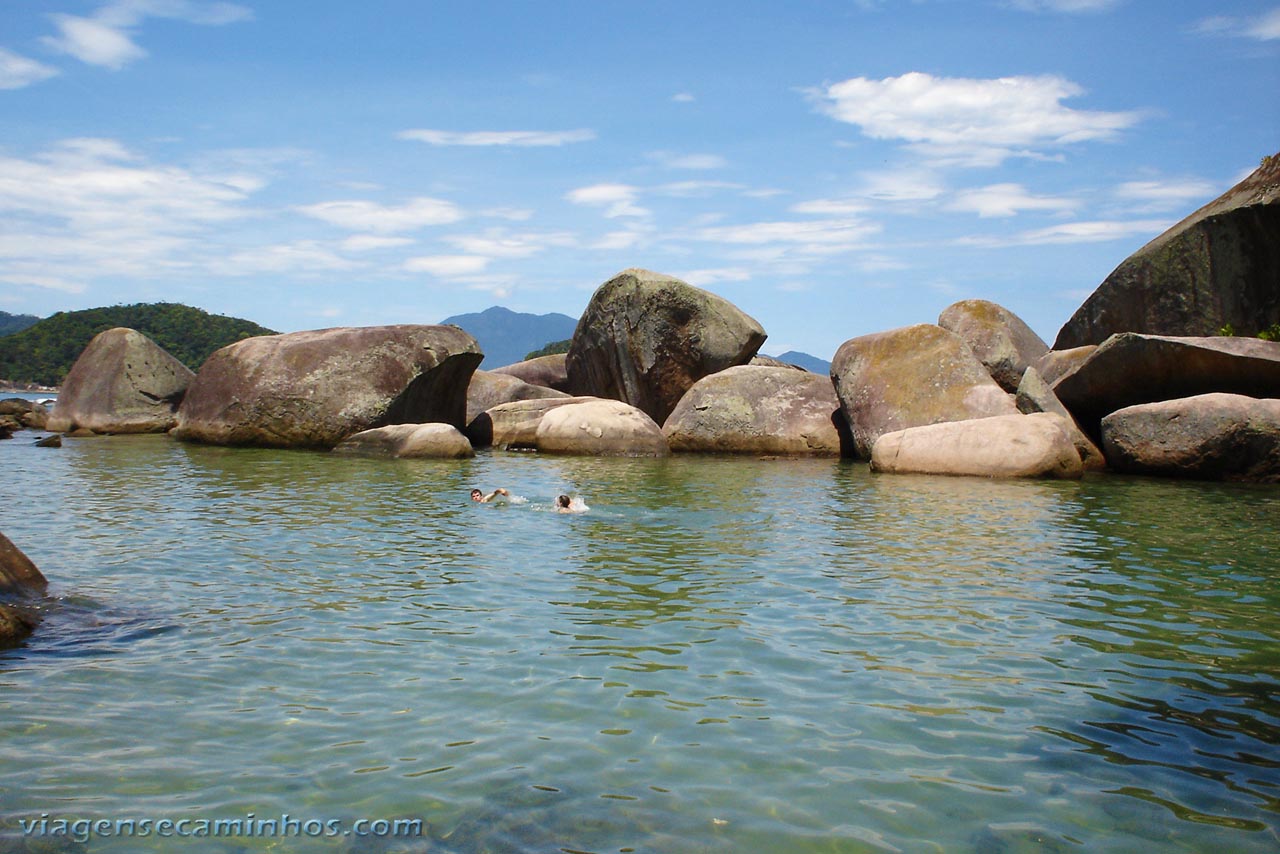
(1129, 369)
(490, 388)
(546, 371)
(1035, 395)
(1218, 267)
(1056, 364)
(408, 441)
(314, 389)
(23, 414)
(514, 426)
(646, 338)
(603, 428)
(756, 409)
(998, 337)
(1004, 446)
(909, 377)
(123, 382)
(1205, 437)
(20, 583)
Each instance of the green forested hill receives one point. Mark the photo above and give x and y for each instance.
(44, 352)
(11, 323)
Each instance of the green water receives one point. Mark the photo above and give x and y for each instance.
(721, 655)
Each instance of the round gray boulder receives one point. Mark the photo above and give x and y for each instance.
(997, 336)
(608, 428)
(408, 441)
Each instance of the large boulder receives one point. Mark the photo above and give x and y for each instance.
(1207, 437)
(646, 338)
(314, 389)
(998, 337)
(123, 382)
(1218, 267)
(910, 377)
(546, 371)
(408, 441)
(1129, 369)
(20, 582)
(757, 409)
(608, 428)
(1035, 395)
(1003, 446)
(514, 426)
(490, 388)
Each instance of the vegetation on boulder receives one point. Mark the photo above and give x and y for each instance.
(45, 352)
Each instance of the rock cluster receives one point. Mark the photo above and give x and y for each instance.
(21, 585)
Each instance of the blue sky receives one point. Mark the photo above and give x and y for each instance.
(833, 168)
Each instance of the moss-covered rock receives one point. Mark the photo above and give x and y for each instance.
(998, 337)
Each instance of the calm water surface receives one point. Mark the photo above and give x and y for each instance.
(721, 655)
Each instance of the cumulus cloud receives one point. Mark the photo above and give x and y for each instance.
(617, 199)
(971, 122)
(366, 216)
(1001, 200)
(518, 138)
(107, 37)
(17, 71)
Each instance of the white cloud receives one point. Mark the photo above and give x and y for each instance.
(615, 241)
(446, 266)
(1095, 231)
(372, 243)
(617, 199)
(671, 160)
(17, 71)
(1164, 195)
(106, 38)
(970, 122)
(519, 138)
(999, 200)
(703, 278)
(1064, 6)
(683, 98)
(822, 236)
(1264, 27)
(363, 215)
(687, 189)
(907, 185)
(829, 207)
(302, 256)
(498, 243)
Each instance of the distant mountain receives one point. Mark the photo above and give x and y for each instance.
(11, 323)
(804, 360)
(45, 351)
(506, 336)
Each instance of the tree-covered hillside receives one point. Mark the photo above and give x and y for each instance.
(11, 323)
(43, 353)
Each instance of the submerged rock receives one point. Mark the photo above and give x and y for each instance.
(910, 377)
(998, 337)
(1218, 267)
(646, 338)
(600, 428)
(20, 582)
(408, 441)
(314, 389)
(756, 409)
(1004, 446)
(123, 382)
(1207, 437)
(1130, 369)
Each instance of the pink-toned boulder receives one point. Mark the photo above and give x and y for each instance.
(314, 389)
(646, 338)
(546, 371)
(758, 409)
(606, 428)
(514, 426)
(490, 388)
(1034, 395)
(910, 377)
(1206, 437)
(1005, 446)
(123, 382)
(998, 337)
(408, 441)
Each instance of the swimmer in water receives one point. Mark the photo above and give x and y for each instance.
(562, 504)
(477, 495)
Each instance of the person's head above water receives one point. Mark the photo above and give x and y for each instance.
(563, 501)
(476, 495)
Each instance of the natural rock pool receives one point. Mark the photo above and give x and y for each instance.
(721, 655)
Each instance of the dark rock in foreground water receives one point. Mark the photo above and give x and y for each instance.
(123, 382)
(20, 581)
(314, 389)
(1207, 437)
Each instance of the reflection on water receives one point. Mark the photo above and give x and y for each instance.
(721, 655)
